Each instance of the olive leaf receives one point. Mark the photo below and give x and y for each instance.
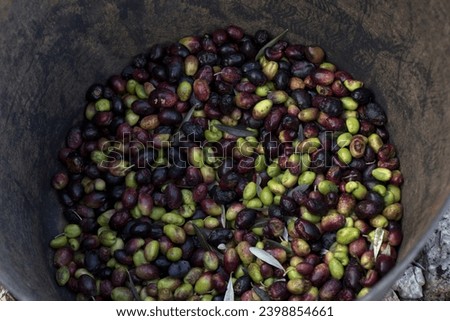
(258, 185)
(266, 257)
(223, 218)
(132, 287)
(261, 293)
(202, 238)
(176, 136)
(278, 245)
(261, 222)
(285, 234)
(238, 131)
(387, 250)
(298, 189)
(377, 241)
(270, 44)
(229, 294)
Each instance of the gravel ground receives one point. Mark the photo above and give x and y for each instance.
(427, 278)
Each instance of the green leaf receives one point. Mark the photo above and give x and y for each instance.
(261, 293)
(238, 131)
(202, 238)
(176, 136)
(269, 44)
(273, 243)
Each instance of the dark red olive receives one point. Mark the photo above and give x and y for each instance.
(173, 196)
(159, 176)
(74, 138)
(242, 284)
(200, 192)
(295, 52)
(278, 291)
(118, 277)
(256, 77)
(358, 247)
(363, 96)
(346, 295)
(338, 88)
(317, 206)
(384, 263)
(140, 229)
(162, 98)
(219, 36)
(323, 77)
(235, 32)
(206, 58)
(178, 269)
(330, 289)
(307, 230)
(246, 218)
(62, 257)
(105, 288)
(281, 79)
(89, 242)
(367, 209)
(288, 206)
(395, 237)
(169, 117)
(129, 198)
(274, 228)
(142, 108)
(320, 274)
(302, 68)
(119, 219)
(373, 113)
(122, 257)
(261, 37)
(222, 196)
(94, 199)
(87, 285)
(370, 278)
(208, 44)
(352, 277)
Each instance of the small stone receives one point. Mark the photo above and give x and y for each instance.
(409, 287)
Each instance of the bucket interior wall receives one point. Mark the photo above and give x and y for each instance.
(53, 50)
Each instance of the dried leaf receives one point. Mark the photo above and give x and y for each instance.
(176, 136)
(229, 294)
(238, 131)
(298, 189)
(223, 218)
(387, 250)
(261, 293)
(377, 241)
(202, 238)
(285, 234)
(269, 44)
(187, 117)
(266, 257)
(258, 185)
